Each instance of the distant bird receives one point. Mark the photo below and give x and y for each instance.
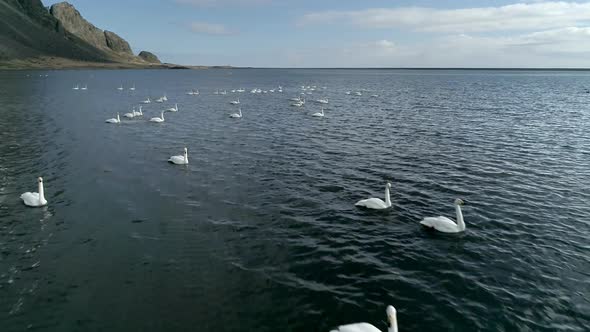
(77, 87)
(138, 113)
(180, 160)
(132, 88)
(319, 114)
(444, 224)
(366, 327)
(236, 115)
(173, 109)
(235, 102)
(164, 98)
(158, 119)
(376, 203)
(147, 101)
(323, 101)
(114, 120)
(131, 114)
(160, 100)
(347, 92)
(358, 93)
(374, 96)
(35, 199)
(85, 87)
(120, 88)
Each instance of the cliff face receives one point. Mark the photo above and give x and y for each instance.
(29, 31)
(149, 57)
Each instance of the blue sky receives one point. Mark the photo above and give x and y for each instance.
(332, 33)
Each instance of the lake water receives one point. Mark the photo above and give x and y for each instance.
(260, 233)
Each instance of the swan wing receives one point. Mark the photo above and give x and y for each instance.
(30, 199)
(372, 203)
(357, 327)
(441, 224)
(176, 159)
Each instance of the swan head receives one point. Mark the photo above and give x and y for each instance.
(185, 151)
(388, 185)
(40, 179)
(459, 201)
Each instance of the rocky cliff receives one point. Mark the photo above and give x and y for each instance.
(32, 34)
(149, 57)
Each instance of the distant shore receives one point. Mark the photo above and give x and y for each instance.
(63, 63)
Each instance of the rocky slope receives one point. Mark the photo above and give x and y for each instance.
(33, 36)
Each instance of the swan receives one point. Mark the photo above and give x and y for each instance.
(444, 224)
(347, 92)
(160, 100)
(130, 115)
(235, 102)
(114, 120)
(120, 88)
(366, 327)
(374, 96)
(376, 203)
(236, 115)
(132, 88)
(147, 101)
(180, 160)
(85, 87)
(223, 92)
(165, 98)
(358, 93)
(77, 87)
(138, 113)
(216, 92)
(158, 119)
(323, 101)
(35, 199)
(295, 99)
(240, 90)
(320, 114)
(272, 90)
(233, 91)
(173, 109)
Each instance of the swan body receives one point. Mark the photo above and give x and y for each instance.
(366, 327)
(147, 101)
(120, 88)
(223, 92)
(233, 91)
(138, 113)
(236, 115)
(173, 109)
(295, 99)
(444, 224)
(77, 87)
(164, 98)
(130, 115)
(132, 88)
(374, 96)
(158, 119)
(323, 101)
(272, 90)
(160, 100)
(376, 203)
(85, 87)
(235, 102)
(114, 120)
(180, 160)
(358, 93)
(35, 199)
(347, 92)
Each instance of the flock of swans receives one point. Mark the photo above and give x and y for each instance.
(441, 224)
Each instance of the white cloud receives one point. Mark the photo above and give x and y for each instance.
(520, 16)
(209, 28)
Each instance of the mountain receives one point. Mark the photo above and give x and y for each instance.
(33, 36)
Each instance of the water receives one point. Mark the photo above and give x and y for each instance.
(259, 232)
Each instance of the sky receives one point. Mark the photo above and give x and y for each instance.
(345, 33)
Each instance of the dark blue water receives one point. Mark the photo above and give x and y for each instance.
(260, 233)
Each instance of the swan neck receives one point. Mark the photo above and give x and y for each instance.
(41, 193)
(387, 196)
(186, 157)
(392, 324)
(460, 222)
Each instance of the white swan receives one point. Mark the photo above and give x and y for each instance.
(160, 100)
(347, 92)
(132, 88)
(164, 98)
(77, 87)
(35, 199)
(295, 99)
(444, 224)
(120, 88)
(130, 115)
(323, 101)
(358, 93)
(158, 119)
(180, 160)
(223, 92)
(376, 203)
(173, 109)
(147, 101)
(236, 115)
(235, 102)
(114, 120)
(374, 96)
(138, 113)
(320, 114)
(366, 327)
(85, 87)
